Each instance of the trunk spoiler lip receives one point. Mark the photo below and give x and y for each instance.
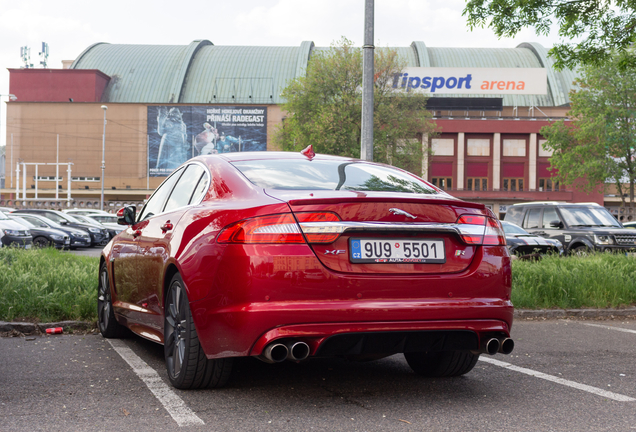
(450, 201)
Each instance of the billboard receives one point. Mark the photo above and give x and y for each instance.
(178, 133)
(475, 81)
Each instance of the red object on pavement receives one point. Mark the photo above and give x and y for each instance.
(54, 330)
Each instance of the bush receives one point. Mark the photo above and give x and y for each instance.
(597, 281)
(47, 285)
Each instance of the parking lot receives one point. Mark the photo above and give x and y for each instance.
(563, 375)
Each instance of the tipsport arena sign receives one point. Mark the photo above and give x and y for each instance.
(475, 81)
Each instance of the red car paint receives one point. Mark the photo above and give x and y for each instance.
(244, 296)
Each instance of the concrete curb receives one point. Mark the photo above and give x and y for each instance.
(574, 313)
(30, 328)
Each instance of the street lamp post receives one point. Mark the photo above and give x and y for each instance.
(101, 203)
(11, 97)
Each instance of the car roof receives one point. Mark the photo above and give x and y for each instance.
(240, 156)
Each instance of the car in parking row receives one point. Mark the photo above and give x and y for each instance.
(99, 235)
(78, 238)
(14, 234)
(580, 227)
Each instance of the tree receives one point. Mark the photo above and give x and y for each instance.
(325, 109)
(602, 27)
(599, 144)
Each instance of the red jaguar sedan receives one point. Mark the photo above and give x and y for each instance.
(291, 256)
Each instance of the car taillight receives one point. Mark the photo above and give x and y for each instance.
(481, 230)
(317, 233)
(280, 228)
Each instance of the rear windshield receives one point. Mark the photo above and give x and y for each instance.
(329, 175)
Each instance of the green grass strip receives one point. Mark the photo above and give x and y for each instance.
(596, 281)
(47, 285)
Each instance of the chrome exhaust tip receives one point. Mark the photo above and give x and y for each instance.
(506, 346)
(492, 346)
(297, 351)
(275, 353)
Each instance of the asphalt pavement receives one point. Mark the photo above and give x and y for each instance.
(564, 375)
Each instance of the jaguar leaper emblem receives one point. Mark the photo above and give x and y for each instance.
(397, 211)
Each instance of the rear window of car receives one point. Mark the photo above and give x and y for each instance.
(330, 175)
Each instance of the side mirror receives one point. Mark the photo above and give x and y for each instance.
(63, 222)
(556, 224)
(126, 215)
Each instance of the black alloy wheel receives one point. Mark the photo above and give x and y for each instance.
(441, 364)
(108, 325)
(41, 242)
(187, 365)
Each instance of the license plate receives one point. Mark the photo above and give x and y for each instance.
(27, 246)
(392, 251)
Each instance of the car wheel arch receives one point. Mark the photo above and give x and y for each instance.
(578, 243)
(171, 270)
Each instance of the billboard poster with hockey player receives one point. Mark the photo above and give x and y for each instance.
(178, 133)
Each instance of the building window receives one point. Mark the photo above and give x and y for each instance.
(478, 147)
(514, 147)
(513, 184)
(477, 183)
(444, 183)
(443, 147)
(543, 152)
(47, 178)
(86, 179)
(549, 185)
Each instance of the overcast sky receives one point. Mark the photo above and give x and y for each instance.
(70, 26)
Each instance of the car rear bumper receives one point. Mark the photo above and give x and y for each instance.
(241, 314)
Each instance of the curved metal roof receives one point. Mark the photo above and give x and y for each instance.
(205, 73)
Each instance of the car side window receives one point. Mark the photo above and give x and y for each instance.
(550, 215)
(533, 218)
(157, 201)
(182, 193)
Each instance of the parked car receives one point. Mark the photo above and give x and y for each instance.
(523, 244)
(108, 221)
(44, 236)
(580, 227)
(630, 225)
(99, 235)
(78, 237)
(380, 262)
(14, 234)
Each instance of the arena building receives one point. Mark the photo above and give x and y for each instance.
(152, 107)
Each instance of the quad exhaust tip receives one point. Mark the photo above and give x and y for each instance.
(492, 346)
(293, 350)
(276, 352)
(506, 346)
(297, 351)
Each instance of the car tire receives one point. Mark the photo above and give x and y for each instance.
(441, 364)
(581, 251)
(41, 242)
(187, 365)
(108, 325)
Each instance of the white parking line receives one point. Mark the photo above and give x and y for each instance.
(170, 401)
(587, 388)
(611, 328)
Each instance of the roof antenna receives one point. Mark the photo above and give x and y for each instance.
(308, 152)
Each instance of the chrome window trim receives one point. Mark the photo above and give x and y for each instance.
(208, 176)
